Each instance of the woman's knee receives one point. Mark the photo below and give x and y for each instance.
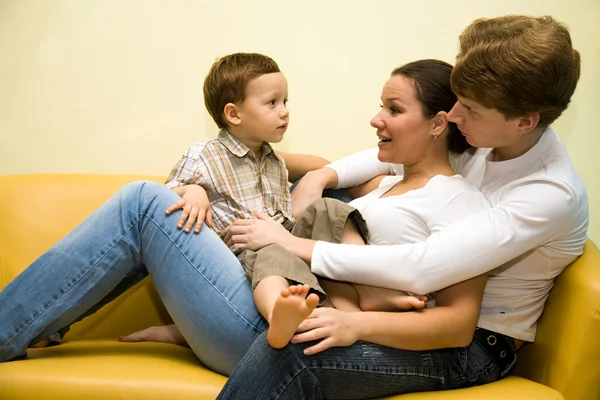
(143, 189)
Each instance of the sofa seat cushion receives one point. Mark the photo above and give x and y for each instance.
(108, 369)
(510, 388)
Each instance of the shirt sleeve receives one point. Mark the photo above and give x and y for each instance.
(360, 167)
(529, 215)
(189, 169)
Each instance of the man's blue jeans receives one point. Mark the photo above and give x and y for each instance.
(361, 371)
(198, 278)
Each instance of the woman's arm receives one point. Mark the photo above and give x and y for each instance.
(365, 188)
(356, 171)
(360, 167)
(299, 164)
(451, 323)
(351, 170)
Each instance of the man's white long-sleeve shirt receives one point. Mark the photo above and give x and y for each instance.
(537, 225)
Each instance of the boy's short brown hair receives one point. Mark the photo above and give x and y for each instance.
(227, 79)
(518, 65)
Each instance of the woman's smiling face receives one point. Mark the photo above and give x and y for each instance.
(404, 133)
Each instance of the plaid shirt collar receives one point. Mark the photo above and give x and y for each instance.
(236, 147)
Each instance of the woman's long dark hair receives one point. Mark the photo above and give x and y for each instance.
(432, 85)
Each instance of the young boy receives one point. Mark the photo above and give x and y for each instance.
(239, 174)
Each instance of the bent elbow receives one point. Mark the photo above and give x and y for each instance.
(463, 337)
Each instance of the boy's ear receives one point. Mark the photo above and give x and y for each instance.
(231, 114)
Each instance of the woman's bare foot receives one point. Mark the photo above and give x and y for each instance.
(162, 334)
(291, 308)
(39, 345)
(380, 299)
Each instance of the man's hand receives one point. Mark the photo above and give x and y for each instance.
(336, 329)
(255, 232)
(196, 208)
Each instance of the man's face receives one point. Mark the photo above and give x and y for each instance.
(483, 127)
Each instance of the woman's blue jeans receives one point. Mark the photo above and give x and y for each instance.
(199, 280)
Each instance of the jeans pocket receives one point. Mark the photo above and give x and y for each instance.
(481, 365)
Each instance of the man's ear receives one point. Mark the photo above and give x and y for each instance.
(528, 123)
(231, 114)
(440, 123)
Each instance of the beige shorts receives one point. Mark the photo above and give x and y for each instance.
(322, 220)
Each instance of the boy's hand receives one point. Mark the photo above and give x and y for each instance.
(196, 208)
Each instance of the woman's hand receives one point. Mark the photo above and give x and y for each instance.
(255, 232)
(196, 208)
(310, 188)
(335, 328)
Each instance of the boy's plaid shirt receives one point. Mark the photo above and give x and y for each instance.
(235, 180)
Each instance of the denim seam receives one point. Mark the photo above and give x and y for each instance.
(258, 330)
(482, 372)
(385, 373)
(70, 286)
(292, 378)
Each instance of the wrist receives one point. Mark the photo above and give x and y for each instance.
(324, 178)
(301, 248)
(361, 329)
(179, 190)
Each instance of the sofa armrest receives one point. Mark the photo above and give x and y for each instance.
(37, 210)
(566, 352)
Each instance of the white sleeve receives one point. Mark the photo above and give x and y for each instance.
(530, 215)
(360, 167)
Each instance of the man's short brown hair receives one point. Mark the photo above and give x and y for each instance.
(518, 65)
(227, 79)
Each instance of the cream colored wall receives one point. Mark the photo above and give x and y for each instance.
(115, 86)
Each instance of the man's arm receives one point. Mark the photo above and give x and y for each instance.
(529, 216)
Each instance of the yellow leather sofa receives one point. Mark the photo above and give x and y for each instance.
(37, 210)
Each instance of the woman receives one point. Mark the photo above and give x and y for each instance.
(514, 76)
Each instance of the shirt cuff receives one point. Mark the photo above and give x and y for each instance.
(316, 260)
(333, 167)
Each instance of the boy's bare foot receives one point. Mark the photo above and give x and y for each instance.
(162, 334)
(291, 308)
